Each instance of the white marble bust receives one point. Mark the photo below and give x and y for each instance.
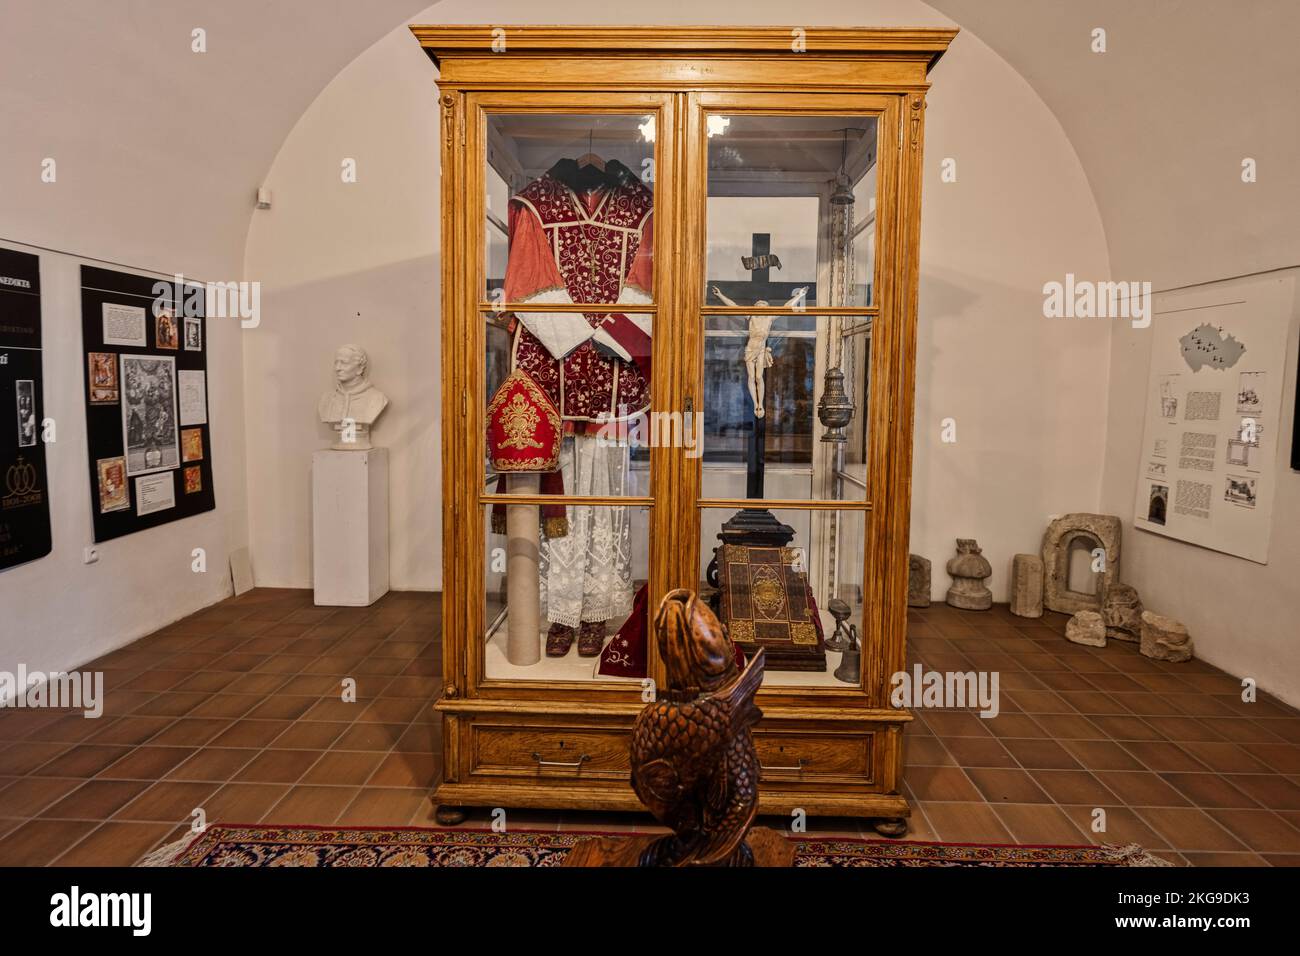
(352, 406)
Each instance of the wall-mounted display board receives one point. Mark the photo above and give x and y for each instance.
(24, 488)
(147, 426)
(1208, 471)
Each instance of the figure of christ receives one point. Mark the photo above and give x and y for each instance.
(758, 355)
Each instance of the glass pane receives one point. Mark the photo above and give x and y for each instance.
(569, 203)
(561, 587)
(807, 443)
(576, 425)
(791, 207)
(802, 600)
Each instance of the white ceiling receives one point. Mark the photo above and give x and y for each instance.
(145, 130)
(1162, 121)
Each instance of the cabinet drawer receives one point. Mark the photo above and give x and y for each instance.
(788, 756)
(561, 752)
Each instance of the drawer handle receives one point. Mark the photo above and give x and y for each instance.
(560, 763)
(797, 768)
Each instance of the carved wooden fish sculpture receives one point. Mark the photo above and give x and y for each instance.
(693, 759)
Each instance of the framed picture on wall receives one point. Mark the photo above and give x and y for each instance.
(149, 431)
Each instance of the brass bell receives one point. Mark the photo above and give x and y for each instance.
(850, 669)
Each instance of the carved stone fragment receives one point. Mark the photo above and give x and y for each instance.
(1086, 627)
(969, 570)
(1165, 639)
(918, 581)
(1121, 609)
(1094, 531)
(1027, 585)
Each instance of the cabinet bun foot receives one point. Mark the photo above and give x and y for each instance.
(449, 816)
(889, 826)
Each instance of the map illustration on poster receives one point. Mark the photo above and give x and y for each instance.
(1214, 395)
(141, 386)
(24, 484)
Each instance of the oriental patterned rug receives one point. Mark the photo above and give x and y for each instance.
(236, 845)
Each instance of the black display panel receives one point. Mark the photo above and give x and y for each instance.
(24, 484)
(147, 418)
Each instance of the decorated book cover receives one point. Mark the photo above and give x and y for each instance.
(766, 603)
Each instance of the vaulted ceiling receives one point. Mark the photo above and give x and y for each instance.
(145, 131)
(1162, 121)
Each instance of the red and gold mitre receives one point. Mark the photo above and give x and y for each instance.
(524, 429)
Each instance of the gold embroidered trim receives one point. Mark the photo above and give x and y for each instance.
(519, 421)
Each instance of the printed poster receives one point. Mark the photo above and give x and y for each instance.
(1207, 471)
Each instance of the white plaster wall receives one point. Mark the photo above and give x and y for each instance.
(1029, 395)
(1162, 120)
(354, 262)
(57, 613)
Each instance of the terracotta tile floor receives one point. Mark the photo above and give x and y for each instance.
(236, 711)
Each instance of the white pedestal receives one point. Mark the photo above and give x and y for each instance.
(349, 491)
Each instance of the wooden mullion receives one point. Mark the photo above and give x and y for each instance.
(868, 311)
(596, 500)
(591, 307)
(791, 504)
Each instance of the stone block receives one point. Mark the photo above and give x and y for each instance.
(918, 581)
(1027, 585)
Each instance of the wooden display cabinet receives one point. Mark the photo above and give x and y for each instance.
(772, 159)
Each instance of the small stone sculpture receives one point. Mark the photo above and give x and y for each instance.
(918, 581)
(1097, 531)
(1165, 639)
(1027, 585)
(353, 404)
(1121, 610)
(1086, 627)
(968, 570)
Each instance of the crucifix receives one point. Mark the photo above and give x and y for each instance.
(758, 290)
(756, 526)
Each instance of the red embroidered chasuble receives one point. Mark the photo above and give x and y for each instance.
(563, 250)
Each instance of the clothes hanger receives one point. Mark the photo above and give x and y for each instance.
(590, 158)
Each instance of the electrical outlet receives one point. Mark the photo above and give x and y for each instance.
(90, 555)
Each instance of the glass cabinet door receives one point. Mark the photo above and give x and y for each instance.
(569, 313)
(782, 333)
